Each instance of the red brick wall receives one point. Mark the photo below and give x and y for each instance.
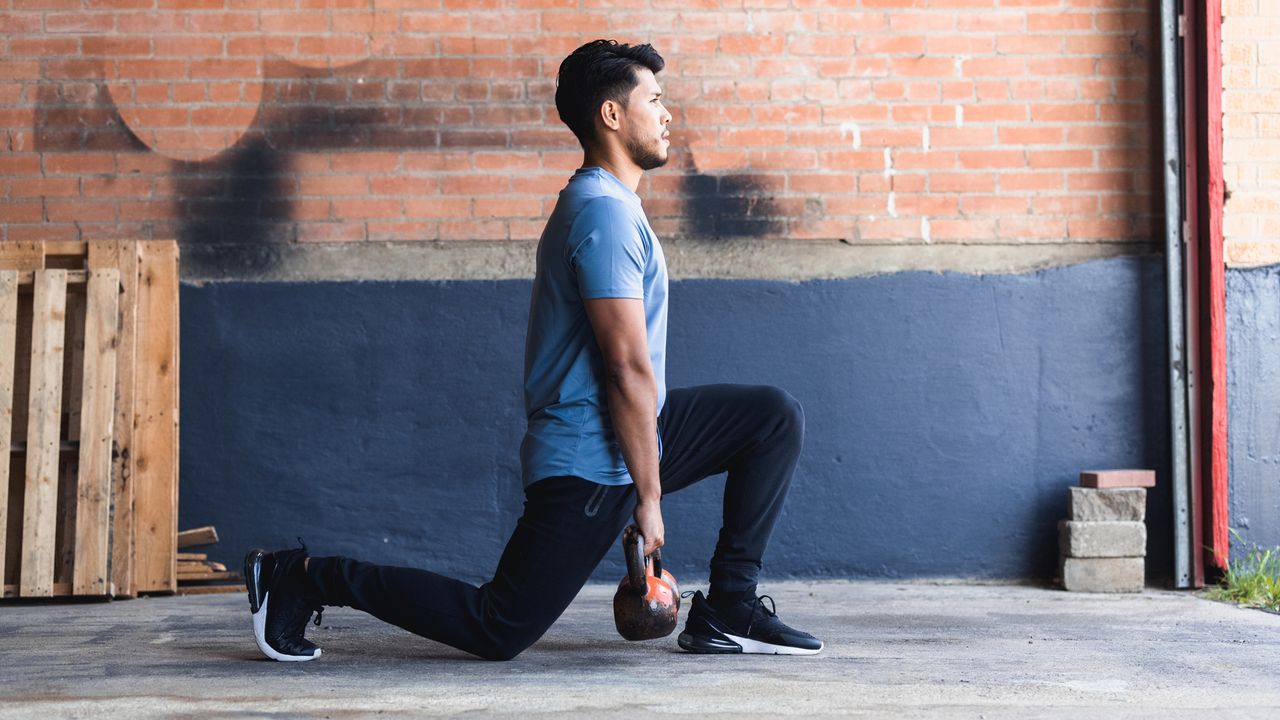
(870, 121)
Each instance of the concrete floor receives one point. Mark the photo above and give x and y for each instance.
(893, 650)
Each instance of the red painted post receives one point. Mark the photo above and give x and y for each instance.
(1216, 534)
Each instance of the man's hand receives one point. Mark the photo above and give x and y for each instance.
(649, 520)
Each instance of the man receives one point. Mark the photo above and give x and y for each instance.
(605, 440)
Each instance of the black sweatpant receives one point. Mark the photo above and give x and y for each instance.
(569, 524)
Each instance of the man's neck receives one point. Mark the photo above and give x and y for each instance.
(620, 167)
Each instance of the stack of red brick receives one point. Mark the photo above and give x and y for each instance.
(1103, 541)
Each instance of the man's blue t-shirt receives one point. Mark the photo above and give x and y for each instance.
(597, 244)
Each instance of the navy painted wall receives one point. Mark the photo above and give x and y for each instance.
(1253, 405)
(946, 415)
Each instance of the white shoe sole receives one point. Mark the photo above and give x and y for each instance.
(747, 646)
(755, 647)
(260, 635)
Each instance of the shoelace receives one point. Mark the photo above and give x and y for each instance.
(758, 603)
(772, 610)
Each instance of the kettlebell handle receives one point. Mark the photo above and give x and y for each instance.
(633, 546)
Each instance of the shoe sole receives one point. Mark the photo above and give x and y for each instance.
(727, 644)
(258, 608)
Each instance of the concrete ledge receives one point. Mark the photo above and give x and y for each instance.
(509, 260)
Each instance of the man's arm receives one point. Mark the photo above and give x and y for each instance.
(632, 394)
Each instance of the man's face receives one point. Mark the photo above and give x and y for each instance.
(645, 133)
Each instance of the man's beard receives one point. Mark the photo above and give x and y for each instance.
(646, 158)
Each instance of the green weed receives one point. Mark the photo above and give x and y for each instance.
(1252, 581)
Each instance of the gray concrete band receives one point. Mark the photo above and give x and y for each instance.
(687, 259)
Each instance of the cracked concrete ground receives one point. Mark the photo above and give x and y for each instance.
(895, 650)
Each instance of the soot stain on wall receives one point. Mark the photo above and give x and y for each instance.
(243, 197)
(726, 206)
(79, 116)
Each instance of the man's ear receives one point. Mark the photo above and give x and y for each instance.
(610, 113)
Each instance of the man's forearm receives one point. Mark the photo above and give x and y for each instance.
(633, 408)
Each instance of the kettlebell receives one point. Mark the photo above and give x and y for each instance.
(647, 603)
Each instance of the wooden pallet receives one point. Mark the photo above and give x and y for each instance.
(88, 401)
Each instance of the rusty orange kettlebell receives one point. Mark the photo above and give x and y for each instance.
(647, 603)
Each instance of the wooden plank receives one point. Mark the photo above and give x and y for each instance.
(155, 436)
(27, 278)
(207, 535)
(40, 504)
(97, 424)
(65, 254)
(65, 446)
(210, 589)
(123, 256)
(212, 575)
(192, 556)
(22, 255)
(8, 346)
(175, 356)
(59, 589)
(189, 567)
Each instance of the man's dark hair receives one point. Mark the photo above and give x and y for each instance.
(598, 71)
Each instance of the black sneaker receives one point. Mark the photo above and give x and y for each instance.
(280, 605)
(748, 628)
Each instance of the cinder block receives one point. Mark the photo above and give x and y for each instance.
(1103, 574)
(1102, 539)
(1111, 504)
(1117, 478)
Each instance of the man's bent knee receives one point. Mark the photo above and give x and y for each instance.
(502, 653)
(784, 405)
(507, 642)
(503, 649)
